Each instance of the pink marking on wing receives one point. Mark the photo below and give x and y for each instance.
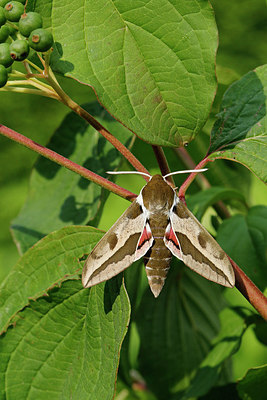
(144, 243)
(170, 235)
(145, 237)
(172, 242)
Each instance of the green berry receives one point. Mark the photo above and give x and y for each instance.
(29, 22)
(3, 76)
(13, 11)
(12, 32)
(3, 3)
(5, 58)
(9, 69)
(2, 16)
(4, 33)
(19, 50)
(40, 40)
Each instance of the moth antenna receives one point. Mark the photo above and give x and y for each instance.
(185, 172)
(127, 172)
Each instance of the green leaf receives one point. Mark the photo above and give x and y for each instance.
(227, 342)
(198, 203)
(244, 239)
(254, 385)
(151, 65)
(240, 132)
(51, 261)
(59, 197)
(135, 286)
(176, 331)
(66, 345)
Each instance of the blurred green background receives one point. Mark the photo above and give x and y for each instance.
(242, 47)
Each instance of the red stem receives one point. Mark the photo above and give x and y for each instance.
(65, 162)
(163, 163)
(190, 164)
(243, 283)
(190, 178)
(65, 99)
(250, 291)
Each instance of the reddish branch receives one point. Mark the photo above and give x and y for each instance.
(65, 162)
(190, 179)
(243, 283)
(163, 163)
(65, 99)
(250, 291)
(190, 164)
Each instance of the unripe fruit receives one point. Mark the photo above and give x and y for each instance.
(5, 58)
(13, 11)
(12, 32)
(4, 33)
(29, 22)
(19, 50)
(40, 40)
(3, 76)
(2, 16)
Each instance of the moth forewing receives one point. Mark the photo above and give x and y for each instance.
(117, 249)
(198, 249)
(155, 226)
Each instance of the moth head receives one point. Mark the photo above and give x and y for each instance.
(157, 194)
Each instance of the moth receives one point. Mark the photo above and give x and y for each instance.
(157, 226)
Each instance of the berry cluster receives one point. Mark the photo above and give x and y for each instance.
(14, 24)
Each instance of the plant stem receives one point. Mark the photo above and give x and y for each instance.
(190, 179)
(65, 162)
(219, 207)
(54, 90)
(28, 62)
(65, 99)
(29, 91)
(250, 291)
(190, 164)
(163, 163)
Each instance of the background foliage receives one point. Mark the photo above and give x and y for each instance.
(242, 40)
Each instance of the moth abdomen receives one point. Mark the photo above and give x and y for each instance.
(157, 263)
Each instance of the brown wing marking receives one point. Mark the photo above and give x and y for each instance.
(117, 249)
(199, 250)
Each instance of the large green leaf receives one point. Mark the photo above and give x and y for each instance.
(59, 197)
(176, 331)
(244, 238)
(225, 344)
(150, 63)
(51, 261)
(254, 385)
(66, 345)
(240, 132)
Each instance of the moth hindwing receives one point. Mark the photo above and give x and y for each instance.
(156, 226)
